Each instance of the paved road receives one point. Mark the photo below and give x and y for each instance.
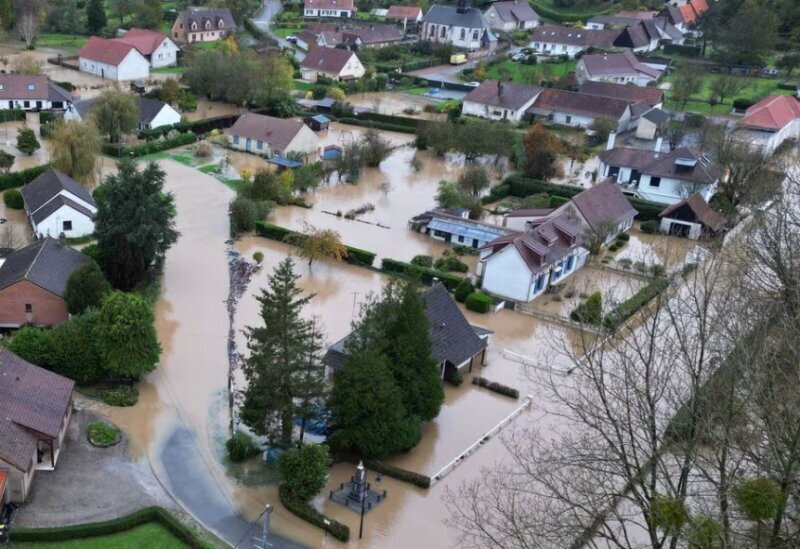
(262, 20)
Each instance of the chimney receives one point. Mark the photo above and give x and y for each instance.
(659, 142)
(612, 138)
(462, 6)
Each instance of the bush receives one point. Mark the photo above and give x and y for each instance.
(450, 264)
(12, 198)
(422, 261)
(590, 311)
(20, 178)
(304, 470)
(649, 227)
(241, 447)
(463, 290)
(465, 250)
(86, 287)
(457, 379)
(102, 434)
(310, 514)
(122, 396)
(258, 257)
(355, 256)
(427, 275)
(134, 151)
(742, 103)
(498, 388)
(396, 472)
(635, 303)
(478, 302)
(243, 215)
(623, 237)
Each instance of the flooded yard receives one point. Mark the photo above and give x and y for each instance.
(398, 104)
(15, 232)
(655, 249)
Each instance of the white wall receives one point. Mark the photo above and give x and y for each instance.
(306, 141)
(314, 12)
(668, 191)
(509, 26)
(21, 104)
(166, 55)
(636, 78)
(133, 67)
(53, 225)
(552, 48)
(452, 35)
(167, 116)
(505, 274)
(495, 113)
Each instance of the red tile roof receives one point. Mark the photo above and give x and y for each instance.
(329, 5)
(404, 12)
(772, 113)
(103, 50)
(145, 41)
(688, 13)
(553, 99)
(700, 6)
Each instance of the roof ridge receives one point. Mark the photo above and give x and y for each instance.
(36, 258)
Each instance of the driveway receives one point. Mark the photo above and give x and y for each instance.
(264, 17)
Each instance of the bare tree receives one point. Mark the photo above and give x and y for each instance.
(725, 86)
(28, 26)
(674, 133)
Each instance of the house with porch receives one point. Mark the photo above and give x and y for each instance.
(692, 218)
(497, 100)
(199, 24)
(56, 204)
(457, 345)
(512, 15)
(270, 136)
(462, 26)
(32, 93)
(454, 226)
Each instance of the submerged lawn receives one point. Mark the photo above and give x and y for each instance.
(151, 535)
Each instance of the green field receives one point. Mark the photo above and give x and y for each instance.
(283, 32)
(60, 41)
(755, 88)
(303, 86)
(528, 74)
(151, 535)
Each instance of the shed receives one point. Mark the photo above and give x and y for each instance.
(318, 123)
(332, 152)
(691, 218)
(651, 123)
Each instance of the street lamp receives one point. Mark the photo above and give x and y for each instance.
(361, 470)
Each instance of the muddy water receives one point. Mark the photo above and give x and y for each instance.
(395, 103)
(209, 109)
(15, 232)
(653, 249)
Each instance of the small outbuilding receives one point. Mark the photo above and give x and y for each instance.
(318, 123)
(652, 123)
(691, 218)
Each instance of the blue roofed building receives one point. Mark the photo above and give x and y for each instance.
(454, 226)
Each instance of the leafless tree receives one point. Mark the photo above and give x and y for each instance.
(28, 26)
(674, 133)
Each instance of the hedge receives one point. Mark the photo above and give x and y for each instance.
(150, 147)
(13, 115)
(198, 126)
(309, 514)
(115, 526)
(377, 125)
(742, 104)
(635, 303)
(426, 274)
(548, 12)
(478, 302)
(12, 198)
(20, 178)
(556, 201)
(498, 388)
(682, 50)
(410, 123)
(355, 256)
(400, 474)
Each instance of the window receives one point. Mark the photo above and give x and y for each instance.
(460, 238)
(28, 308)
(569, 119)
(194, 25)
(260, 144)
(66, 226)
(235, 139)
(536, 45)
(551, 116)
(655, 181)
(474, 35)
(570, 262)
(221, 23)
(463, 34)
(563, 48)
(442, 31)
(2, 87)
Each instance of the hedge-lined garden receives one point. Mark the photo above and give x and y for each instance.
(306, 512)
(426, 274)
(635, 303)
(355, 256)
(134, 151)
(493, 386)
(400, 474)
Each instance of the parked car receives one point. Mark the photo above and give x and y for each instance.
(519, 56)
(292, 39)
(770, 73)
(472, 84)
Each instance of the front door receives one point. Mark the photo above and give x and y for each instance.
(249, 145)
(636, 175)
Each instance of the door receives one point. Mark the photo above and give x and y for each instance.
(248, 145)
(679, 229)
(636, 175)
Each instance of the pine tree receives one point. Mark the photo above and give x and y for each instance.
(96, 16)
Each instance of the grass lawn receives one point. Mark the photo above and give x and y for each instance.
(283, 32)
(57, 40)
(168, 70)
(755, 88)
(528, 74)
(304, 86)
(151, 535)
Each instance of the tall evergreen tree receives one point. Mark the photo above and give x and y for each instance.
(284, 372)
(96, 16)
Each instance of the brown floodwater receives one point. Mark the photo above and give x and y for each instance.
(395, 103)
(15, 232)
(656, 249)
(208, 109)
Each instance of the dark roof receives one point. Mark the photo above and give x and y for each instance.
(452, 337)
(553, 99)
(149, 109)
(697, 208)
(515, 11)
(277, 132)
(603, 204)
(329, 60)
(531, 212)
(666, 164)
(53, 206)
(50, 184)
(506, 95)
(609, 64)
(575, 37)
(657, 116)
(674, 14)
(627, 92)
(82, 107)
(470, 18)
(618, 20)
(45, 263)
(32, 400)
(373, 34)
(201, 15)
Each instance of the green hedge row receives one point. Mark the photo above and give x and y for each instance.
(410, 123)
(400, 474)
(118, 151)
(635, 303)
(12, 115)
(498, 388)
(20, 178)
(377, 125)
(478, 302)
(309, 514)
(122, 524)
(355, 256)
(682, 49)
(426, 274)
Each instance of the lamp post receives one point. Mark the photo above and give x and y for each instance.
(361, 476)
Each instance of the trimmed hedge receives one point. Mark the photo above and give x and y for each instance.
(410, 123)
(400, 474)
(12, 198)
(682, 50)
(12, 115)
(198, 126)
(742, 104)
(150, 147)
(548, 12)
(377, 125)
(20, 178)
(109, 527)
(426, 274)
(498, 388)
(478, 302)
(635, 303)
(556, 201)
(309, 514)
(355, 256)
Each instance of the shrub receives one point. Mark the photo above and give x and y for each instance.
(123, 396)
(241, 447)
(357, 256)
(451, 264)
(742, 103)
(478, 302)
(203, 149)
(102, 434)
(590, 311)
(243, 215)
(556, 201)
(12, 198)
(310, 514)
(427, 275)
(258, 257)
(150, 147)
(623, 237)
(20, 178)
(86, 287)
(304, 470)
(422, 261)
(498, 388)
(635, 303)
(465, 250)
(649, 227)
(457, 379)
(463, 290)
(396, 472)
(614, 246)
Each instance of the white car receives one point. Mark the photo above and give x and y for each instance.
(472, 84)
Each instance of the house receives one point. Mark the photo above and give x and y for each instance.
(35, 409)
(333, 63)
(692, 10)
(203, 25)
(405, 14)
(373, 36)
(156, 47)
(652, 124)
(152, 113)
(456, 345)
(521, 265)
(647, 36)
(512, 15)
(32, 283)
(770, 122)
(658, 176)
(55, 204)
(454, 226)
(691, 218)
(269, 136)
(462, 26)
(112, 60)
(675, 17)
(500, 100)
(621, 68)
(329, 8)
(32, 92)
(580, 111)
(308, 39)
(569, 41)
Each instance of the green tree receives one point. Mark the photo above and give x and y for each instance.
(758, 498)
(316, 244)
(602, 127)
(6, 161)
(149, 14)
(128, 340)
(789, 63)
(96, 16)
(115, 113)
(74, 148)
(26, 141)
(170, 91)
(687, 83)
(135, 223)
(122, 8)
(474, 181)
(86, 287)
(305, 470)
(738, 43)
(374, 148)
(284, 359)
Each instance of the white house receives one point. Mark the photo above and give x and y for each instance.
(500, 100)
(157, 48)
(269, 136)
(522, 265)
(329, 8)
(112, 60)
(569, 41)
(32, 92)
(619, 68)
(56, 204)
(512, 15)
(453, 225)
(152, 113)
(659, 176)
(462, 26)
(580, 110)
(770, 122)
(333, 63)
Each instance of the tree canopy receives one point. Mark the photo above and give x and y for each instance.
(86, 287)
(128, 340)
(74, 148)
(115, 113)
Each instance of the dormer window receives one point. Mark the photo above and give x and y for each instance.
(31, 87)
(194, 25)
(208, 25)
(221, 23)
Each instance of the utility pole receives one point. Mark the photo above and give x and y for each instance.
(263, 541)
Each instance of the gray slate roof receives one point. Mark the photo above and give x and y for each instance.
(515, 11)
(201, 15)
(603, 204)
(51, 207)
(45, 263)
(471, 18)
(149, 109)
(657, 116)
(47, 186)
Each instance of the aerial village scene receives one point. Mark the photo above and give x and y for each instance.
(390, 274)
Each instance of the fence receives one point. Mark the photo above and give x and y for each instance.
(64, 61)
